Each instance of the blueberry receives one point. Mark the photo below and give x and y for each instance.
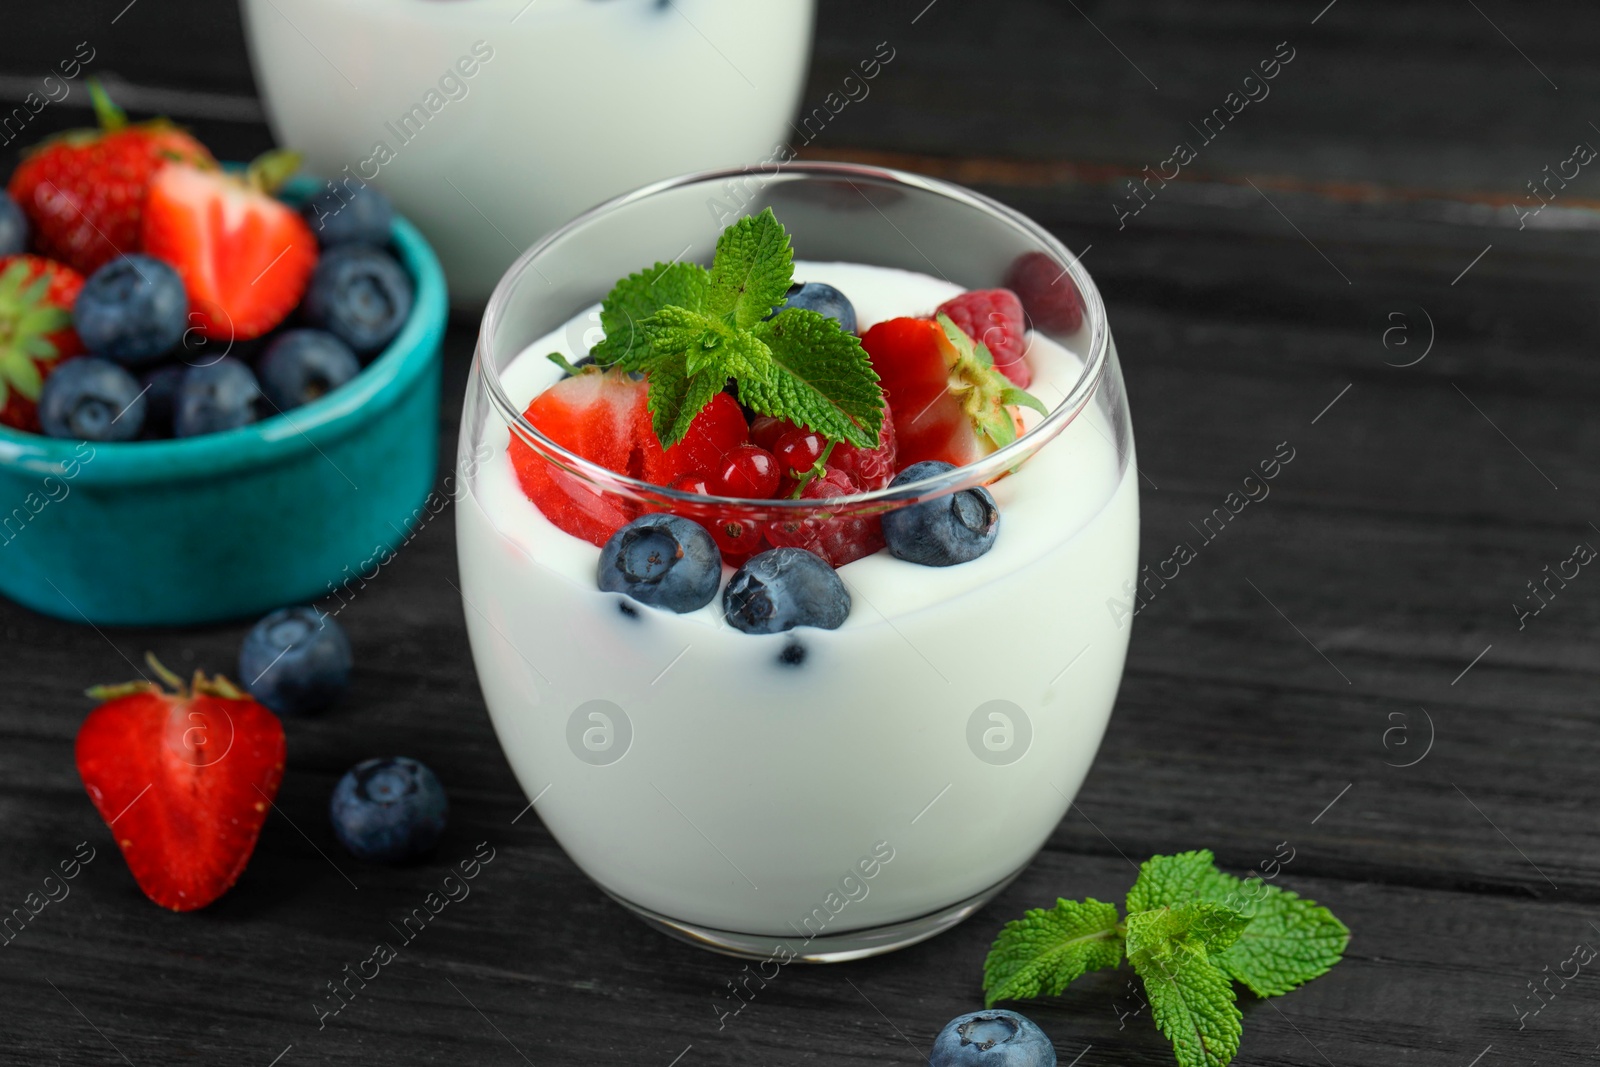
(360, 295)
(133, 310)
(13, 227)
(217, 396)
(91, 399)
(948, 529)
(995, 1038)
(387, 810)
(301, 365)
(160, 395)
(824, 299)
(345, 216)
(783, 588)
(295, 660)
(662, 560)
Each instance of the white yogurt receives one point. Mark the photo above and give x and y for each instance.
(747, 787)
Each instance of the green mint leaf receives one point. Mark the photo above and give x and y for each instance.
(820, 378)
(1165, 880)
(1195, 926)
(1289, 941)
(1045, 950)
(638, 296)
(679, 333)
(675, 397)
(1190, 998)
(751, 271)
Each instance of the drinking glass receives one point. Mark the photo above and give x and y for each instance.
(820, 794)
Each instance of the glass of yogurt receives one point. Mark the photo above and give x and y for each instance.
(820, 794)
(491, 122)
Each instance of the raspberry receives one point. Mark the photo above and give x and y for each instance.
(869, 468)
(748, 471)
(1048, 293)
(993, 318)
(837, 540)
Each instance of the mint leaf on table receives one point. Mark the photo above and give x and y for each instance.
(1045, 950)
(822, 378)
(1190, 997)
(639, 296)
(1190, 932)
(1289, 940)
(752, 270)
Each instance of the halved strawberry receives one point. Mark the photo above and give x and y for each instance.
(993, 317)
(950, 403)
(184, 779)
(84, 191)
(36, 334)
(602, 416)
(244, 256)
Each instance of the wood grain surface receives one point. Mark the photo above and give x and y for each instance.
(1360, 619)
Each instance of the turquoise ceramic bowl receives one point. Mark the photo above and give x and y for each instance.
(237, 523)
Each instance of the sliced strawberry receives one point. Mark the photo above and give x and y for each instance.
(184, 779)
(602, 416)
(950, 403)
(993, 317)
(244, 256)
(36, 334)
(1048, 293)
(84, 191)
(837, 540)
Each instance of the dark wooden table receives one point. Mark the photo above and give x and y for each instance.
(1343, 669)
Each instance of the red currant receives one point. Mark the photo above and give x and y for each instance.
(766, 430)
(748, 471)
(694, 482)
(798, 451)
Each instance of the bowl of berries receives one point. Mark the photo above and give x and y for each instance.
(789, 550)
(218, 385)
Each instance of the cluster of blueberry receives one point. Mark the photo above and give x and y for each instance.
(670, 562)
(297, 661)
(134, 317)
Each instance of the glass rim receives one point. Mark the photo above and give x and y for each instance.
(979, 472)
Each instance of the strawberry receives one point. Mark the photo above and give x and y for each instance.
(36, 334)
(950, 402)
(183, 778)
(244, 256)
(84, 190)
(602, 416)
(993, 317)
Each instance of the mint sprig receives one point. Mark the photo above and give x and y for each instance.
(1190, 932)
(689, 330)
